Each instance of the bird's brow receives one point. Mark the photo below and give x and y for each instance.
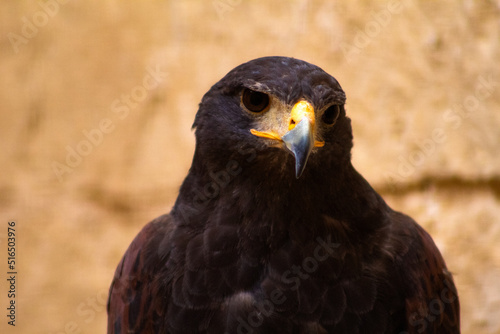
(258, 86)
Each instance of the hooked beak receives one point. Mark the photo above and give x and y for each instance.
(299, 140)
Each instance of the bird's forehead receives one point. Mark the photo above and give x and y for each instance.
(288, 79)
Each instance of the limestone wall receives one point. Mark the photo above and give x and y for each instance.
(98, 98)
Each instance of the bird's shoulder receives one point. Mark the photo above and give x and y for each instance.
(135, 279)
(431, 299)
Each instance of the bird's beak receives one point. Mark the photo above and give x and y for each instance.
(299, 139)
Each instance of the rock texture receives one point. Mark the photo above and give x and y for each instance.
(98, 100)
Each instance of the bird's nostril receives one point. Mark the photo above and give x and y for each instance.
(302, 109)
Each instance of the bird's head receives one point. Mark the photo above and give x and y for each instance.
(291, 111)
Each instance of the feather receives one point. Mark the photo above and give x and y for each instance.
(249, 248)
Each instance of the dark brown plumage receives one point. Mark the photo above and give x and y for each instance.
(274, 231)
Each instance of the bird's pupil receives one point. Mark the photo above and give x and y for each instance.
(255, 101)
(331, 114)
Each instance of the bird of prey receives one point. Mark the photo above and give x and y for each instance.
(274, 231)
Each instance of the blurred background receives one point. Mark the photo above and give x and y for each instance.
(98, 98)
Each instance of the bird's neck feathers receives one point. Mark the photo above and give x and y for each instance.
(236, 191)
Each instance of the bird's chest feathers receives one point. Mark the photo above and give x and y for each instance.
(294, 274)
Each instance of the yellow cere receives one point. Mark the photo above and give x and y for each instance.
(300, 110)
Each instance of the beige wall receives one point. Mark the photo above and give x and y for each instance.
(422, 81)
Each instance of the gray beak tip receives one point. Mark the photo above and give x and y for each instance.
(300, 142)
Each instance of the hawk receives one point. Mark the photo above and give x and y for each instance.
(274, 231)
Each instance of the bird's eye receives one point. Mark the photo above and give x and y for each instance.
(255, 101)
(331, 114)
